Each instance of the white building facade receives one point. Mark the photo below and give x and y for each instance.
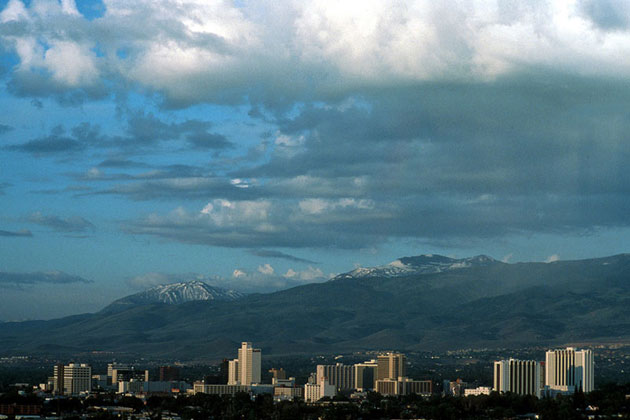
(73, 379)
(246, 369)
(339, 375)
(315, 392)
(569, 370)
(522, 377)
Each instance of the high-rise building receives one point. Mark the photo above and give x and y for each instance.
(391, 366)
(521, 377)
(569, 370)
(233, 372)
(169, 373)
(246, 369)
(339, 375)
(126, 374)
(365, 375)
(58, 379)
(277, 374)
(117, 366)
(72, 379)
(224, 371)
(456, 388)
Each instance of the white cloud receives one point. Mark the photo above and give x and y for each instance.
(307, 276)
(552, 258)
(71, 64)
(220, 51)
(266, 269)
(224, 213)
(148, 280)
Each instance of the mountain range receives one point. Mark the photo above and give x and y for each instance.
(428, 302)
(174, 294)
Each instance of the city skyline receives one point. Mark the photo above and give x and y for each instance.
(263, 145)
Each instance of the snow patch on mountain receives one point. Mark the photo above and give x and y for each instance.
(421, 264)
(175, 294)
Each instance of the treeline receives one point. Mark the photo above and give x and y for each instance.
(607, 402)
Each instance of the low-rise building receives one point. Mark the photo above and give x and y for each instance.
(404, 386)
(316, 391)
(218, 389)
(481, 390)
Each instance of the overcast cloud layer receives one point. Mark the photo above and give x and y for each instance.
(268, 130)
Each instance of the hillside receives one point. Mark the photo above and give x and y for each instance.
(174, 294)
(483, 305)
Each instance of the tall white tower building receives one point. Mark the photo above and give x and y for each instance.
(234, 374)
(521, 377)
(246, 369)
(568, 370)
(72, 379)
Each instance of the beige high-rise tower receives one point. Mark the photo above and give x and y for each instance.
(249, 364)
(568, 370)
(391, 366)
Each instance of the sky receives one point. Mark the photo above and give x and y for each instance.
(259, 145)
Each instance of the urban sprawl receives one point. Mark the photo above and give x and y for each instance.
(563, 372)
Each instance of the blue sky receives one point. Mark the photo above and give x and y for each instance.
(261, 145)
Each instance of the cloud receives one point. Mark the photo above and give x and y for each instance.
(55, 143)
(62, 224)
(262, 280)
(435, 122)
(606, 14)
(309, 275)
(260, 223)
(552, 258)
(121, 163)
(266, 253)
(192, 52)
(149, 280)
(19, 234)
(265, 279)
(141, 132)
(51, 277)
(4, 186)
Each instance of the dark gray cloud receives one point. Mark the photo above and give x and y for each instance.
(206, 140)
(5, 128)
(55, 143)
(18, 234)
(121, 163)
(4, 186)
(51, 277)
(609, 15)
(141, 133)
(62, 224)
(76, 189)
(31, 84)
(267, 223)
(452, 162)
(267, 253)
(144, 129)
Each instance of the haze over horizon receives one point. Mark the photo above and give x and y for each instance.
(262, 145)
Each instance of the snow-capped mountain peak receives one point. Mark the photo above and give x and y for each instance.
(421, 264)
(176, 293)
